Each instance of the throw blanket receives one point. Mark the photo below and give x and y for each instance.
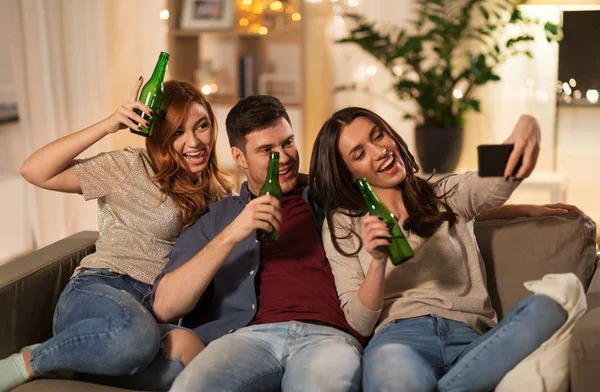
(547, 368)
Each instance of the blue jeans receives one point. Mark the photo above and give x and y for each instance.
(431, 353)
(288, 356)
(105, 333)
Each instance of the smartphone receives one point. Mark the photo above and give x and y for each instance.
(492, 159)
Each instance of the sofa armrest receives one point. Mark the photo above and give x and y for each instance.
(584, 353)
(30, 286)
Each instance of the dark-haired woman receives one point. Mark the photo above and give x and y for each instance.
(103, 327)
(433, 324)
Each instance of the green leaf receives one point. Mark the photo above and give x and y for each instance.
(474, 104)
(516, 16)
(522, 38)
(484, 12)
(406, 85)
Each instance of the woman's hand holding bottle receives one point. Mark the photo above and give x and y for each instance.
(376, 235)
(125, 117)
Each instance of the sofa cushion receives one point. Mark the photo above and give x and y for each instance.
(64, 386)
(30, 286)
(518, 250)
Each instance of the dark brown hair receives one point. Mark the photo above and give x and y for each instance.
(192, 198)
(253, 113)
(332, 185)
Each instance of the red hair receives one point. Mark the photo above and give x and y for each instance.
(192, 198)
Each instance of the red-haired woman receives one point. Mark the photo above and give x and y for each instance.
(103, 327)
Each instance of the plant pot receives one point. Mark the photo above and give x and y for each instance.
(438, 149)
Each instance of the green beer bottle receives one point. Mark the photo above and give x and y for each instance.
(271, 187)
(152, 94)
(399, 250)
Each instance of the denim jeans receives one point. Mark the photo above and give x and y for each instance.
(104, 332)
(288, 356)
(431, 353)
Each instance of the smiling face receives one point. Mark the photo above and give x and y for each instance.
(193, 140)
(369, 151)
(255, 160)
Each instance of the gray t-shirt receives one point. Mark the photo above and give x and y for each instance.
(138, 225)
(446, 276)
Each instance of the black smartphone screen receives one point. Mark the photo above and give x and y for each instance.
(492, 159)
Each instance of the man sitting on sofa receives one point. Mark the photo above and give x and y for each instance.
(274, 319)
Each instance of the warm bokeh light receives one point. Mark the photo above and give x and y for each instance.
(276, 6)
(572, 82)
(263, 30)
(254, 28)
(246, 2)
(258, 9)
(244, 22)
(206, 89)
(458, 94)
(296, 16)
(164, 14)
(592, 95)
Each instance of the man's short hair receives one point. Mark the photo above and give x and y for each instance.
(251, 114)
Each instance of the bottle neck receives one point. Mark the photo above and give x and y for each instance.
(367, 194)
(161, 68)
(374, 205)
(273, 170)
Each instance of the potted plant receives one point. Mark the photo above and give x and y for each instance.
(451, 48)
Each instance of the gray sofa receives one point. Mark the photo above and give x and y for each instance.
(514, 251)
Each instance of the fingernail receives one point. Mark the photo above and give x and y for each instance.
(151, 113)
(147, 124)
(140, 79)
(140, 127)
(506, 178)
(380, 218)
(389, 240)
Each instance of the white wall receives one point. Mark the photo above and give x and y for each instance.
(578, 156)
(350, 64)
(136, 36)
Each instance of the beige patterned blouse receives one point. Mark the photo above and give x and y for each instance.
(137, 225)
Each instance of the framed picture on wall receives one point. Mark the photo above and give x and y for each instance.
(207, 14)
